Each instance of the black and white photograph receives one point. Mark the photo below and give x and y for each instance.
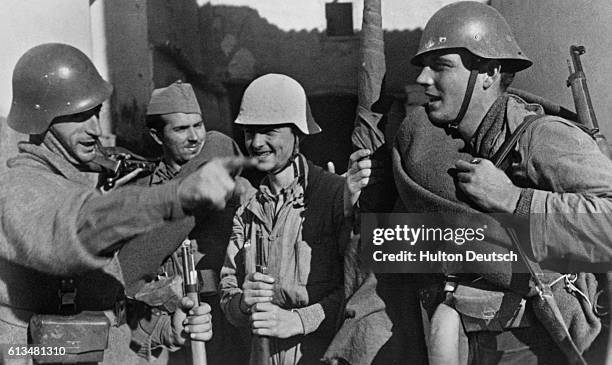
(304, 182)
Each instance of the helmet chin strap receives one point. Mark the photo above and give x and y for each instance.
(290, 160)
(454, 125)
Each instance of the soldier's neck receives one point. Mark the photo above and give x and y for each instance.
(478, 109)
(282, 179)
(173, 165)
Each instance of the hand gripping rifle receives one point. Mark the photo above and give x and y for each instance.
(582, 99)
(261, 350)
(190, 285)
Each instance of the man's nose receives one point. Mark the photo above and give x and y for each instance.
(192, 135)
(424, 78)
(258, 140)
(93, 127)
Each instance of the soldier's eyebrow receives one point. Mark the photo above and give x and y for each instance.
(439, 58)
(444, 58)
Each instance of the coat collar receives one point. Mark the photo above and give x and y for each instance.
(39, 156)
(510, 116)
(264, 199)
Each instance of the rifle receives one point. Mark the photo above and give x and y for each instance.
(261, 349)
(190, 285)
(116, 163)
(586, 115)
(545, 302)
(582, 99)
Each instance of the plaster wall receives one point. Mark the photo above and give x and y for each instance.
(545, 29)
(27, 23)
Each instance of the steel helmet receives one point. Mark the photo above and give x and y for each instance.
(475, 26)
(275, 99)
(52, 80)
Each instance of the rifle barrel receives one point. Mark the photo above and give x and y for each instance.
(261, 351)
(582, 100)
(580, 91)
(190, 281)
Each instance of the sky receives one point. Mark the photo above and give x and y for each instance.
(310, 14)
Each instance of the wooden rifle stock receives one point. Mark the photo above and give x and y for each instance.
(586, 115)
(190, 282)
(582, 99)
(261, 348)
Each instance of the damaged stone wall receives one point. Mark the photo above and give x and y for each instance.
(238, 35)
(239, 44)
(220, 49)
(175, 36)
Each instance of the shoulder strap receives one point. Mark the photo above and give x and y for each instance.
(559, 334)
(502, 153)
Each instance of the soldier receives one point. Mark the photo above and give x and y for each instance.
(469, 58)
(293, 230)
(54, 222)
(175, 122)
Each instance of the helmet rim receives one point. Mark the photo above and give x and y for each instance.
(475, 27)
(52, 80)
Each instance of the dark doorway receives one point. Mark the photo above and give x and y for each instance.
(335, 113)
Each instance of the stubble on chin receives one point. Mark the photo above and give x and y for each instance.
(436, 119)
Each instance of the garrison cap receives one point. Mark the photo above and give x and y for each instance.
(176, 98)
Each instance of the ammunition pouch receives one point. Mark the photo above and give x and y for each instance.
(165, 292)
(487, 310)
(84, 336)
(483, 307)
(81, 334)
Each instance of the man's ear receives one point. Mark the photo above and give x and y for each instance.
(492, 73)
(156, 135)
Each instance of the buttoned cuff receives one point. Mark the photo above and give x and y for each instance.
(151, 335)
(312, 316)
(523, 206)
